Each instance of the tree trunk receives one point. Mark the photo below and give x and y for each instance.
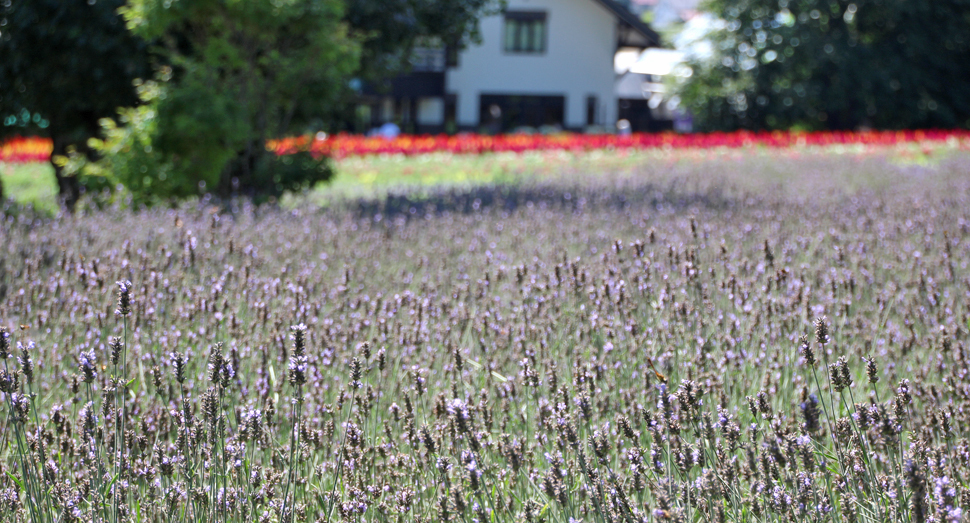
(68, 188)
(241, 174)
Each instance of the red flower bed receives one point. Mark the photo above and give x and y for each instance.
(19, 150)
(25, 150)
(344, 145)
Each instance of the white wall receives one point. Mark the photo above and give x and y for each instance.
(578, 62)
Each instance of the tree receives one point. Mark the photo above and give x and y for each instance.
(224, 76)
(836, 64)
(247, 71)
(65, 64)
(392, 27)
(243, 71)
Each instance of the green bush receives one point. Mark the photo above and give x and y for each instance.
(180, 143)
(125, 152)
(253, 71)
(129, 155)
(199, 130)
(293, 172)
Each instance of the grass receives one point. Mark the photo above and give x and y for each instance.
(377, 176)
(745, 336)
(30, 184)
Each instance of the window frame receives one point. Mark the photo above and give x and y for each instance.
(515, 20)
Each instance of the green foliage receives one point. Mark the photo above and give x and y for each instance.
(392, 27)
(176, 145)
(64, 61)
(293, 172)
(128, 155)
(236, 80)
(242, 72)
(199, 129)
(162, 151)
(837, 64)
(65, 64)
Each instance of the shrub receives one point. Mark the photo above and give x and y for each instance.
(180, 143)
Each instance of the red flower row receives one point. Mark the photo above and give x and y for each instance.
(32, 149)
(343, 145)
(26, 150)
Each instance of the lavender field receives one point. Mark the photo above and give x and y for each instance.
(748, 337)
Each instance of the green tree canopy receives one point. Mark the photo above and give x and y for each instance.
(836, 64)
(242, 71)
(391, 27)
(65, 64)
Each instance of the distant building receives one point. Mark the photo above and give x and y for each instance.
(644, 101)
(540, 63)
(643, 76)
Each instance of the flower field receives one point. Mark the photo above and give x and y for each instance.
(340, 146)
(747, 338)
(26, 150)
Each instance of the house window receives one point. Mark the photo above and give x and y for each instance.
(506, 112)
(429, 55)
(525, 32)
(428, 59)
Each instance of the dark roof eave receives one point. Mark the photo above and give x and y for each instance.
(631, 20)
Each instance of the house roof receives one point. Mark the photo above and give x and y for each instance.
(647, 37)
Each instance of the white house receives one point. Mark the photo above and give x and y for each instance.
(539, 62)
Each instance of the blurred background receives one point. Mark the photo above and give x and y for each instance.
(170, 99)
